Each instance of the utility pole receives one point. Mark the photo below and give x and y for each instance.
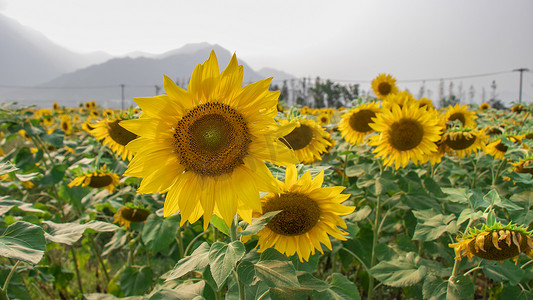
(521, 70)
(122, 93)
(157, 89)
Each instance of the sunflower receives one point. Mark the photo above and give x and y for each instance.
(66, 124)
(383, 85)
(324, 118)
(115, 136)
(517, 108)
(464, 140)
(427, 103)
(309, 213)
(354, 126)
(524, 166)
(206, 146)
(97, 179)
(498, 149)
(55, 106)
(496, 242)
(400, 98)
(130, 214)
(484, 106)
(306, 138)
(407, 133)
(461, 113)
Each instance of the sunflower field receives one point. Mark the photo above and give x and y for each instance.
(219, 192)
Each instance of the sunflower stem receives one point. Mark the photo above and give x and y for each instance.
(8, 279)
(234, 237)
(99, 258)
(376, 228)
(179, 240)
(76, 268)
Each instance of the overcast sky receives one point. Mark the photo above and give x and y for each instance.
(342, 40)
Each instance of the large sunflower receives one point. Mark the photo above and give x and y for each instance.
(496, 242)
(407, 133)
(383, 85)
(206, 146)
(115, 136)
(309, 213)
(354, 126)
(97, 179)
(306, 138)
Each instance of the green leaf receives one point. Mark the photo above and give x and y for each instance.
(158, 232)
(401, 272)
(186, 290)
(70, 233)
(434, 288)
(290, 292)
(220, 224)
(506, 271)
(55, 139)
(7, 204)
(491, 218)
(460, 288)
(340, 289)
(197, 261)
(307, 280)
(53, 176)
(73, 195)
(361, 213)
(457, 195)
(469, 214)
(135, 280)
(23, 241)
(515, 293)
(223, 258)
(246, 272)
(433, 187)
(431, 226)
(272, 254)
(259, 223)
(276, 273)
(492, 197)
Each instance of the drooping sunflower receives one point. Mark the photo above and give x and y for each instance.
(130, 214)
(354, 126)
(206, 146)
(309, 213)
(524, 166)
(461, 113)
(115, 136)
(496, 242)
(464, 141)
(426, 102)
(407, 133)
(517, 108)
(97, 179)
(306, 138)
(383, 85)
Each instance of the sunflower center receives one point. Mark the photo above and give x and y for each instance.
(406, 134)
(98, 181)
(134, 214)
(298, 215)
(501, 147)
(457, 116)
(119, 134)
(299, 138)
(360, 120)
(64, 125)
(460, 142)
(212, 139)
(384, 88)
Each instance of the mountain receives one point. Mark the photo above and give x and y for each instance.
(279, 76)
(134, 77)
(28, 57)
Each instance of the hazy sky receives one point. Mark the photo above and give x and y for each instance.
(343, 40)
